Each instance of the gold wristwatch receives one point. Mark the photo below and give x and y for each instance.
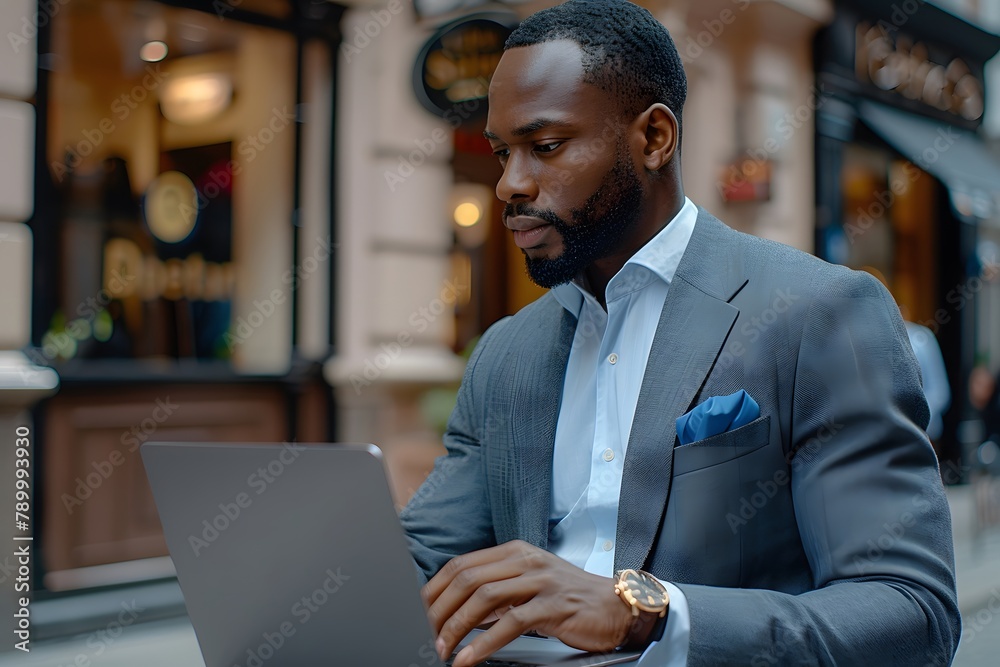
(643, 592)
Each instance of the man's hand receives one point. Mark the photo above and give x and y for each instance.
(528, 589)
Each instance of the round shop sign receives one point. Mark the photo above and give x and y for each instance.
(171, 207)
(452, 74)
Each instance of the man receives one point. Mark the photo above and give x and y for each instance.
(795, 516)
(933, 373)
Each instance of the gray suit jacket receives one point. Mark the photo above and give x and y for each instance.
(818, 534)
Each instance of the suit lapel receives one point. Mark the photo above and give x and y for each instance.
(694, 323)
(536, 392)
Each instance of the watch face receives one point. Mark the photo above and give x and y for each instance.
(648, 592)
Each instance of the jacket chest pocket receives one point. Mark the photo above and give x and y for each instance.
(722, 447)
(702, 532)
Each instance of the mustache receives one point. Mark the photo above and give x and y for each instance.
(529, 211)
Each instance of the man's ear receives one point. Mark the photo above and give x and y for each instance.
(662, 136)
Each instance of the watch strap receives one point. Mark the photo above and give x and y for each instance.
(640, 635)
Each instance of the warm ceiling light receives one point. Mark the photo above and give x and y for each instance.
(153, 52)
(195, 98)
(470, 213)
(467, 214)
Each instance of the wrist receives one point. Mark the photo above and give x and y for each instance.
(647, 602)
(644, 629)
(624, 620)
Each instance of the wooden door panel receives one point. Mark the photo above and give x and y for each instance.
(98, 505)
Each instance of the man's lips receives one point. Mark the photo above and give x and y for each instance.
(528, 232)
(522, 223)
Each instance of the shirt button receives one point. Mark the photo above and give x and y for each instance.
(608, 545)
(612, 358)
(609, 454)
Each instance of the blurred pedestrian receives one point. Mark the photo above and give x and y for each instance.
(984, 394)
(932, 371)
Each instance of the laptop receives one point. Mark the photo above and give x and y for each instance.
(292, 555)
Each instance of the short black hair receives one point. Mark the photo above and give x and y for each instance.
(627, 52)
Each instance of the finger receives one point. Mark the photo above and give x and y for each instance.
(484, 600)
(433, 588)
(440, 581)
(513, 624)
(493, 617)
(465, 584)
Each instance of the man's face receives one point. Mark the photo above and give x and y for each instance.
(570, 183)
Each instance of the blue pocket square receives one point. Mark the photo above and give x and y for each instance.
(717, 415)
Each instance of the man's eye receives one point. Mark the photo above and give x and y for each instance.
(548, 148)
(501, 153)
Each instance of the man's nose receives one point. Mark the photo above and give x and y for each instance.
(517, 182)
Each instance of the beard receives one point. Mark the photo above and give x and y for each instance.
(597, 229)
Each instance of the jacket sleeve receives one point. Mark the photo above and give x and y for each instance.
(450, 513)
(869, 504)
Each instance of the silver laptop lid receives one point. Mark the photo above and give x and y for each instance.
(289, 555)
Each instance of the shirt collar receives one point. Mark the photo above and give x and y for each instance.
(661, 256)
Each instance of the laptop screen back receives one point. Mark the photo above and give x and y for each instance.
(289, 555)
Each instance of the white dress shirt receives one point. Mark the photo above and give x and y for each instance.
(603, 376)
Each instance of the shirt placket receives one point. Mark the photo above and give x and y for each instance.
(606, 458)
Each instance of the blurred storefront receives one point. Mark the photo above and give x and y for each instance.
(173, 163)
(906, 187)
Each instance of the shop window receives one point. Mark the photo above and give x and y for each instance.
(171, 140)
(890, 210)
(165, 255)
